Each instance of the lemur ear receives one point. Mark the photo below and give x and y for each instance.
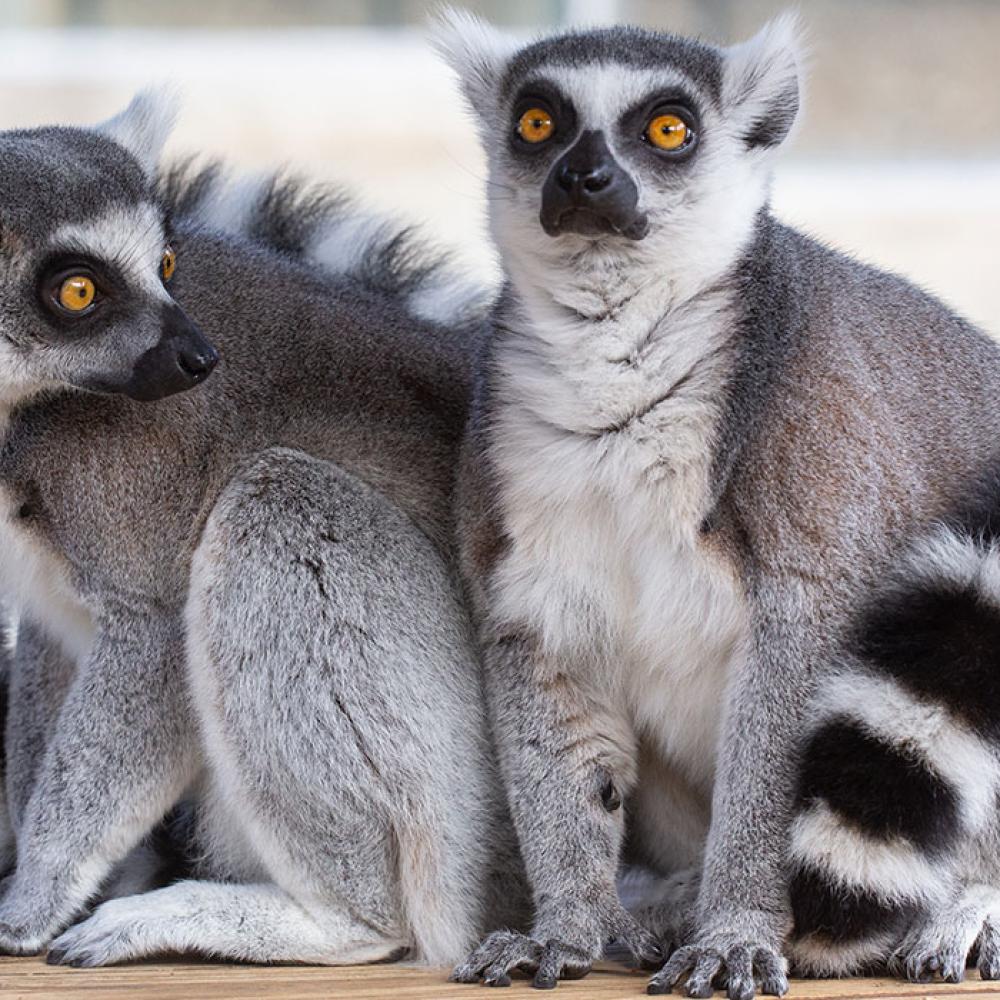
(475, 50)
(144, 126)
(763, 82)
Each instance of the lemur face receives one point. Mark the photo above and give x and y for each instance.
(87, 264)
(607, 138)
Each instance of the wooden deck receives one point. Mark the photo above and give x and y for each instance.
(32, 978)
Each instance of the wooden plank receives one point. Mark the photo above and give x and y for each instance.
(32, 979)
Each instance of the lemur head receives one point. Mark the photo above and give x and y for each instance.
(86, 263)
(620, 142)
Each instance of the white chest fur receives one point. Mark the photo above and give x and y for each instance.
(35, 580)
(603, 440)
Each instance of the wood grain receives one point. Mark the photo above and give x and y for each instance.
(32, 978)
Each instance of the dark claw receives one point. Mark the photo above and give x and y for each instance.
(55, 956)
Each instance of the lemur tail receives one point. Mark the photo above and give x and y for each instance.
(322, 224)
(900, 765)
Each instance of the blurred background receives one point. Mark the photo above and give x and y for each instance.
(898, 160)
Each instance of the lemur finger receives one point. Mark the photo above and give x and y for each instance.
(988, 961)
(707, 967)
(560, 961)
(773, 972)
(952, 965)
(496, 975)
(676, 966)
(919, 968)
(739, 966)
(642, 945)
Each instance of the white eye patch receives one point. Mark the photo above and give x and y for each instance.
(602, 93)
(130, 237)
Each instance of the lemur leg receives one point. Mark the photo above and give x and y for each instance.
(339, 701)
(41, 673)
(121, 752)
(743, 912)
(251, 923)
(568, 761)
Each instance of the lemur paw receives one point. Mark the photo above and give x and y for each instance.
(941, 944)
(115, 933)
(23, 934)
(723, 962)
(549, 958)
(949, 963)
(27, 920)
(499, 954)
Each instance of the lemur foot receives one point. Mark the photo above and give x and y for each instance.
(115, 933)
(27, 922)
(940, 945)
(549, 957)
(725, 960)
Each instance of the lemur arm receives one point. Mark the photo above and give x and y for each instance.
(122, 752)
(40, 675)
(566, 774)
(743, 906)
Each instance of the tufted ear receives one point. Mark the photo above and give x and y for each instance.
(144, 126)
(763, 82)
(475, 50)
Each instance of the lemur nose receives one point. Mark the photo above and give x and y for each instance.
(199, 362)
(583, 182)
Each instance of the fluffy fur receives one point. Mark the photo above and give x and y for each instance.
(247, 568)
(692, 458)
(909, 804)
(326, 226)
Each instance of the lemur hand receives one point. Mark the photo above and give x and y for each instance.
(564, 948)
(731, 954)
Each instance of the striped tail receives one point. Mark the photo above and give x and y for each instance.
(323, 224)
(900, 765)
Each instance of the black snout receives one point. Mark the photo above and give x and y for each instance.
(581, 184)
(181, 359)
(588, 192)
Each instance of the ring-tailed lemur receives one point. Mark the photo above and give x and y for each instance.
(700, 441)
(244, 592)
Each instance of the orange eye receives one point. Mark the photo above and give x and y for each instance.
(535, 125)
(668, 132)
(169, 264)
(77, 293)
